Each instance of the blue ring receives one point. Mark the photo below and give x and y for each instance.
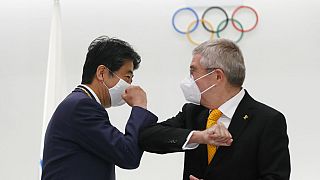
(195, 14)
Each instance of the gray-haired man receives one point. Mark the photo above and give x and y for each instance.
(259, 150)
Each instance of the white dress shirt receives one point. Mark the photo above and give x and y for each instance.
(228, 109)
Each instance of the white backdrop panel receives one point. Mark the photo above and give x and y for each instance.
(281, 55)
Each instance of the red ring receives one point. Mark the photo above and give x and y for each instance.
(245, 30)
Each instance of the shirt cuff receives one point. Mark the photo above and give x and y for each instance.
(187, 146)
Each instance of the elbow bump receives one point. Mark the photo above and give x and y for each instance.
(132, 163)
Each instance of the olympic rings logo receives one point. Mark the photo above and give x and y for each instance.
(209, 27)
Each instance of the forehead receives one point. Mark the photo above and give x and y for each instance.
(195, 63)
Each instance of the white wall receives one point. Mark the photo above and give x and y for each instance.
(282, 59)
(24, 34)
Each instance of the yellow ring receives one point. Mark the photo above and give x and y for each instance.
(191, 25)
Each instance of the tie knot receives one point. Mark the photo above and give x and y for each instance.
(215, 115)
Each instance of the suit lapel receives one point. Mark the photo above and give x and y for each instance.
(202, 119)
(241, 117)
(201, 125)
(239, 121)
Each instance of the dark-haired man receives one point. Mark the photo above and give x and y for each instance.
(80, 142)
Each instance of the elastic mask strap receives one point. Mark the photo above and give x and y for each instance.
(204, 75)
(208, 89)
(113, 73)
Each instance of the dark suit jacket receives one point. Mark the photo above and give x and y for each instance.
(81, 143)
(259, 150)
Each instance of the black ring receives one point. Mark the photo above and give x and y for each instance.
(225, 13)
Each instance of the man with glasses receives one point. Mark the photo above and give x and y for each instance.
(257, 146)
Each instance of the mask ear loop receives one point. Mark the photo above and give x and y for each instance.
(113, 73)
(103, 73)
(103, 80)
(104, 83)
(204, 75)
(208, 88)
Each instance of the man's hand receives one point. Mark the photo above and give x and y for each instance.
(193, 178)
(217, 135)
(135, 96)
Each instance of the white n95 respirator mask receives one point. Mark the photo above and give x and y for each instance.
(116, 91)
(190, 89)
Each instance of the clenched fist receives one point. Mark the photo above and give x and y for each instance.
(217, 135)
(135, 96)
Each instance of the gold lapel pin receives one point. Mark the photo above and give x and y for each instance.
(245, 117)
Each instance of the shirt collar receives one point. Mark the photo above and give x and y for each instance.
(92, 92)
(228, 108)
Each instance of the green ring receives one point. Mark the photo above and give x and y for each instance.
(218, 28)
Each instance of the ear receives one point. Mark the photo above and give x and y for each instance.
(101, 73)
(220, 74)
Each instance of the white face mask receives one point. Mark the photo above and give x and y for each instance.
(190, 89)
(116, 92)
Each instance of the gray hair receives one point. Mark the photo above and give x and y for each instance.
(223, 54)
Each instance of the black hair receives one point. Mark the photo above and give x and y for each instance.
(110, 52)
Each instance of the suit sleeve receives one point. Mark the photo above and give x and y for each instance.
(274, 159)
(166, 137)
(95, 133)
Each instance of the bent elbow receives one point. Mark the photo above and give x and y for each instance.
(134, 165)
(131, 163)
